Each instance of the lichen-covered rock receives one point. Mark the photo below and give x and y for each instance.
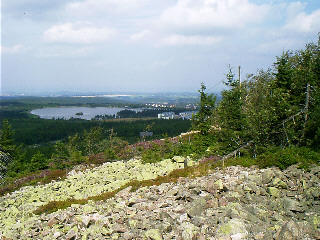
(289, 231)
(198, 206)
(234, 227)
(277, 182)
(292, 205)
(19, 205)
(273, 191)
(234, 203)
(267, 175)
(153, 234)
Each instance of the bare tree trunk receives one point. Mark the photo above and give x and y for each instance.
(306, 109)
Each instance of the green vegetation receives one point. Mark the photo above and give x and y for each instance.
(269, 116)
(80, 141)
(31, 145)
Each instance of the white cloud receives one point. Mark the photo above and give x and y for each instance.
(275, 46)
(93, 7)
(143, 35)
(201, 22)
(212, 14)
(65, 52)
(12, 50)
(79, 33)
(303, 22)
(189, 40)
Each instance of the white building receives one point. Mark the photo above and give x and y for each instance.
(167, 115)
(187, 115)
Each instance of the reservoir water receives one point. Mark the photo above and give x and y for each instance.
(75, 112)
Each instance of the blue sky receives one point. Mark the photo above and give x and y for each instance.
(145, 45)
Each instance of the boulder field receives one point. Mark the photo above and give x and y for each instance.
(234, 203)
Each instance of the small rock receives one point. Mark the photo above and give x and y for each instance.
(119, 228)
(273, 191)
(290, 231)
(153, 234)
(238, 236)
(292, 205)
(219, 186)
(198, 206)
(277, 182)
(189, 231)
(315, 170)
(56, 235)
(124, 193)
(86, 221)
(213, 203)
(71, 235)
(52, 221)
(315, 192)
(267, 175)
(234, 226)
(259, 236)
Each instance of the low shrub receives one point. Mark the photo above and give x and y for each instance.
(40, 177)
(278, 157)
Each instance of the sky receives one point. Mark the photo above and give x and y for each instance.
(145, 45)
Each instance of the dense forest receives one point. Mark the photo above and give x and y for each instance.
(271, 118)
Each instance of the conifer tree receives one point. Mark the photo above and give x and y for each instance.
(8, 149)
(202, 121)
(6, 138)
(229, 115)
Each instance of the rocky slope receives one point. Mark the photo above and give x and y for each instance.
(235, 203)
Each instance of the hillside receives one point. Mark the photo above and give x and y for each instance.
(264, 134)
(236, 203)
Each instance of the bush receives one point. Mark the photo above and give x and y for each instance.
(283, 158)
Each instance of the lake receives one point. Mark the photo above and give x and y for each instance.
(75, 112)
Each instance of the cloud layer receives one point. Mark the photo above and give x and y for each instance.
(78, 33)
(118, 42)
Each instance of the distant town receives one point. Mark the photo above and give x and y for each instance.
(172, 115)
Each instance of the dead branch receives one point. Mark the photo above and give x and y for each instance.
(234, 153)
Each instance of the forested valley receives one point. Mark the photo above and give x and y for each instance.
(30, 144)
(271, 118)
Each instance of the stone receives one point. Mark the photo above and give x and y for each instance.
(153, 234)
(267, 175)
(257, 179)
(119, 228)
(124, 193)
(290, 231)
(189, 231)
(218, 185)
(56, 235)
(71, 235)
(277, 182)
(292, 205)
(213, 203)
(86, 221)
(273, 191)
(234, 226)
(52, 221)
(198, 206)
(315, 192)
(315, 170)
(238, 236)
(191, 208)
